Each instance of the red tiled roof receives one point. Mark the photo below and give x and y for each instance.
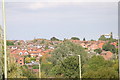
(107, 55)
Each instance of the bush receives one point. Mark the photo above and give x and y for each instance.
(35, 67)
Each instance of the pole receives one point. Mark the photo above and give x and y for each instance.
(5, 53)
(79, 66)
(39, 70)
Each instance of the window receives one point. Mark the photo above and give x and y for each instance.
(20, 53)
(20, 63)
(26, 53)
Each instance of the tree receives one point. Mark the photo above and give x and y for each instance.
(68, 68)
(92, 40)
(83, 39)
(97, 67)
(111, 36)
(61, 60)
(109, 47)
(75, 38)
(19, 43)
(64, 49)
(32, 59)
(9, 43)
(27, 60)
(102, 37)
(98, 50)
(102, 73)
(54, 39)
(35, 67)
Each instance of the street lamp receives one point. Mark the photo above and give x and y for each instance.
(40, 67)
(5, 52)
(79, 64)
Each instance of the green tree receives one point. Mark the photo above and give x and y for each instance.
(68, 68)
(35, 67)
(64, 49)
(84, 39)
(102, 37)
(19, 43)
(60, 58)
(54, 39)
(32, 59)
(75, 38)
(97, 67)
(98, 50)
(27, 60)
(109, 47)
(9, 43)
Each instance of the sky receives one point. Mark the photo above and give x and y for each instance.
(29, 20)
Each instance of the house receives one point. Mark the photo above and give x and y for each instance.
(107, 55)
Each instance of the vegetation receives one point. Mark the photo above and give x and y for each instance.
(10, 43)
(102, 37)
(97, 67)
(27, 60)
(32, 59)
(64, 60)
(84, 39)
(109, 47)
(98, 51)
(54, 39)
(35, 67)
(75, 38)
(64, 63)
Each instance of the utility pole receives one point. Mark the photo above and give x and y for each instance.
(5, 52)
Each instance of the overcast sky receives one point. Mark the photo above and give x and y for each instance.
(60, 19)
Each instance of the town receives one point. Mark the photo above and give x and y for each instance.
(44, 55)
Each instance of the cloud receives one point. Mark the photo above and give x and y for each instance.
(35, 6)
(61, 0)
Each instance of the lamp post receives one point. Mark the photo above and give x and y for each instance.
(5, 53)
(40, 68)
(79, 65)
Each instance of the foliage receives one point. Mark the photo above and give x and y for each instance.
(98, 50)
(84, 39)
(27, 56)
(27, 60)
(109, 47)
(9, 43)
(62, 63)
(46, 68)
(92, 40)
(64, 50)
(68, 68)
(35, 67)
(28, 73)
(35, 40)
(102, 72)
(17, 71)
(32, 59)
(102, 37)
(54, 39)
(19, 43)
(97, 67)
(75, 38)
